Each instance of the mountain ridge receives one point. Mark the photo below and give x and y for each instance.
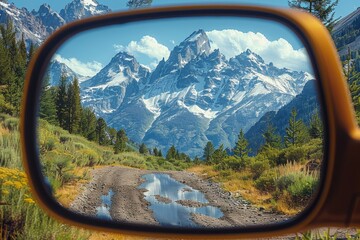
(194, 96)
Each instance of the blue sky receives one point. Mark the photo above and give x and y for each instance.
(150, 42)
(344, 7)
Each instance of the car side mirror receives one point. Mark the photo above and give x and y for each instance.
(193, 121)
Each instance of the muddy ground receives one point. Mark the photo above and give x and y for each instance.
(128, 203)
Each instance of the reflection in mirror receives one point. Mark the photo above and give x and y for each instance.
(188, 122)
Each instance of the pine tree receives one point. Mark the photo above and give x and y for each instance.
(121, 140)
(62, 102)
(31, 53)
(74, 104)
(13, 78)
(112, 135)
(171, 154)
(241, 147)
(296, 132)
(271, 138)
(7, 79)
(208, 152)
(101, 132)
(160, 153)
(88, 124)
(322, 9)
(316, 126)
(156, 152)
(219, 155)
(143, 149)
(47, 102)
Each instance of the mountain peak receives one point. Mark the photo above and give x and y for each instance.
(79, 9)
(196, 35)
(195, 45)
(249, 55)
(49, 18)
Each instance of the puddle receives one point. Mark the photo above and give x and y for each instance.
(169, 212)
(103, 212)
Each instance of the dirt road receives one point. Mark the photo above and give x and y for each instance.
(128, 203)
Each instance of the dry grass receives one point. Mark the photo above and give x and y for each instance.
(4, 131)
(69, 191)
(238, 183)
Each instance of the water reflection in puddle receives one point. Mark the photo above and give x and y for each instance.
(171, 213)
(103, 212)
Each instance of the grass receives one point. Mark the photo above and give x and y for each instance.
(68, 161)
(284, 188)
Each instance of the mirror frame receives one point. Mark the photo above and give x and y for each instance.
(333, 203)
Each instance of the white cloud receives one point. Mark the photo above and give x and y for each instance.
(88, 69)
(280, 52)
(148, 46)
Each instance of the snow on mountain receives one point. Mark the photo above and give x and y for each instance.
(57, 69)
(79, 9)
(193, 97)
(36, 26)
(119, 79)
(24, 22)
(49, 18)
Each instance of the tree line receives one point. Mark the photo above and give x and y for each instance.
(297, 133)
(14, 59)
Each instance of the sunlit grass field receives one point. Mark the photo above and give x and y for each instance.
(68, 161)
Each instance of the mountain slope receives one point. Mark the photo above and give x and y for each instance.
(306, 104)
(24, 22)
(36, 26)
(346, 33)
(79, 9)
(194, 96)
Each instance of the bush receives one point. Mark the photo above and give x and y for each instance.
(266, 182)
(271, 154)
(48, 145)
(258, 166)
(284, 182)
(302, 189)
(88, 158)
(79, 146)
(12, 124)
(233, 163)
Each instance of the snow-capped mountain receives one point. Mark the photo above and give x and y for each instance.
(36, 26)
(49, 18)
(195, 96)
(57, 69)
(119, 79)
(79, 9)
(24, 22)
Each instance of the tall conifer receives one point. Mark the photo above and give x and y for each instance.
(62, 102)
(121, 140)
(241, 147)
(296, 132)
(322, 9)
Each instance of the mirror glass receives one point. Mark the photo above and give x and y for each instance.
(200, 122)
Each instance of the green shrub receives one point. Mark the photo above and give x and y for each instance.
(64, 138)
(233, 163)
(302, 189)
(12, 124)
(258, 166)
(266, 182)
(272, 154)
(78, 146)
(285, 181)
(88, 158)
(49, 145)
